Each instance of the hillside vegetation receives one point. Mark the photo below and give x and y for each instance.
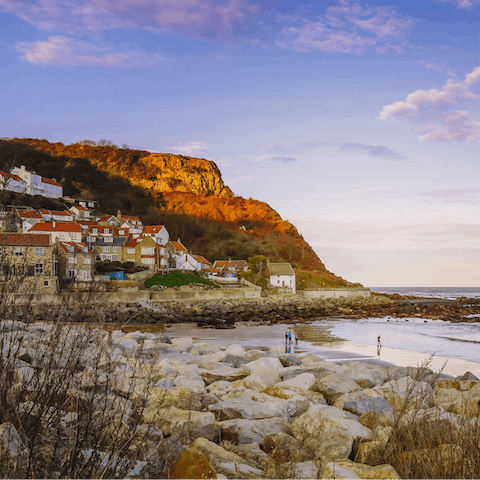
(185, 194)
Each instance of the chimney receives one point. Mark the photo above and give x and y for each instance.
(119, 214)
(54, 223)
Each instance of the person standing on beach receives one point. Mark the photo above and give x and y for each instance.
(379, 345)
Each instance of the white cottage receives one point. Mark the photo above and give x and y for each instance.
(282, 275)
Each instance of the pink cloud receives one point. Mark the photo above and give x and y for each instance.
(199, 16)
(348, 29)
(60, 50)
(459, 126)
(450, 94)
(435, 114)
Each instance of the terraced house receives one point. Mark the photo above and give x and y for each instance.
(29, 257)
(75, 261)
(146, 251)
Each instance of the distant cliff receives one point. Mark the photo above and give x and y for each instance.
(186, 194)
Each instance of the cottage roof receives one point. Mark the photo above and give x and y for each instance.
(80, 208)
(116, 241)
(12, 176)
(24, 239)
(75, 247)
(201, 259)
(56, 227)
(178, 246)
(50, 181)
(29, 214)
(152, 228)
(57, 213)
(280, 269)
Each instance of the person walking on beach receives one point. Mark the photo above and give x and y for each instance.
(286, 336)
(379, 345)
(289, 337)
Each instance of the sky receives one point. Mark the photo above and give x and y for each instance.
(357, 121)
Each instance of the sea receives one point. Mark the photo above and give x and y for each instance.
(453, 348)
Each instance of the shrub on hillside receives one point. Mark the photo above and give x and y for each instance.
(176, 279)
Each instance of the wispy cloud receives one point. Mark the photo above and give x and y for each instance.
(191, 148)
(434, 113)
(348, 29)
(466, 4)
(61, 50)
(373, 150)
(206, 18)
(438, 67)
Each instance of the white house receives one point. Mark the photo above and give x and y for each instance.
(158, 232)
(187, 262)
(38, 185)
(12, 182)
(62, 231)
(282, 275)
(80, 213)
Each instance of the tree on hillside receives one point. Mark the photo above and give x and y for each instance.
(258, 263)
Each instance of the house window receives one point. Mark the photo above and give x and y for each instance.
(131, 251)
(72, 259)
(45, 283)
(114, 258)
(148, 261)
(108, 239)
(105, 249)
(107, 230)
(87, 261)
(39, 269)
(94, 231)
(121, 232)
(71, 273)
(114, 249)
(39, 251)
(148, 251)
(18, 251)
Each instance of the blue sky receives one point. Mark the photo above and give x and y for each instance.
(357, 121)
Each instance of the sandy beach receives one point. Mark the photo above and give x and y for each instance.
(319, 341)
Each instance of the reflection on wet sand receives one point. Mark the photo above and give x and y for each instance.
(317, 334)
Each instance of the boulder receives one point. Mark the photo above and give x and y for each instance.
(175, 421)
(372, 420)
(459, 397)
(210, 432)
(468, 376)
(334, 385)
(235, 361)
(366, 375)
(248, 431)
(349, 469)
(225, 462)
(260, 380)
(263, 364)
(226, 373)
(220, 388)
(236, 350)
(290, 360)
(304, 381)
(12, 445)
(406, 391)
(165, 339)
(206, 348)
(285, 393)
(182, 341)
(191, 464)
(363, 405)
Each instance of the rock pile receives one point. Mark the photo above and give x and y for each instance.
(202, 410)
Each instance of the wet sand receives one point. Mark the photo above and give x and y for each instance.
(319, 341)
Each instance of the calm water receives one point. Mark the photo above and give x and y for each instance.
(431, 292)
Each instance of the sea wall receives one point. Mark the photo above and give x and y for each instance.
(336, 293)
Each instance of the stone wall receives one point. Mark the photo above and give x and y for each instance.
(336, 293)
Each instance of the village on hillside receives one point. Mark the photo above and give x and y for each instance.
(80, 244)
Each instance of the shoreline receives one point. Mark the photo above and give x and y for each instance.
(272, 337)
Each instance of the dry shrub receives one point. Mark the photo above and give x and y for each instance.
(62, 393)
(429, 443)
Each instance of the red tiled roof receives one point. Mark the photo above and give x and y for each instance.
(57, 213)
(24, 239)
(132, 244)
(79, 207)
(50, 181)
(29, 214)
(59, 227)
(12, 176)
(152, 228)
(75, 247)
(178, 246)
(202, 259)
